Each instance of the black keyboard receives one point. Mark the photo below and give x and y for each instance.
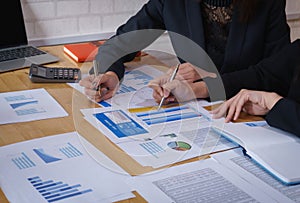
(17, 53)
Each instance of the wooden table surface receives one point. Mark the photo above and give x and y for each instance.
(72, 101)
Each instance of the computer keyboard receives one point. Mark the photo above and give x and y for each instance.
(17, 53)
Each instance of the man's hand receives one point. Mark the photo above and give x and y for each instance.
(102, 87)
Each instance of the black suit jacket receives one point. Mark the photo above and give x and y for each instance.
(248, 43)
(280, 72)
(286, 112)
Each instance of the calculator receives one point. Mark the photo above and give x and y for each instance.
(40, 73)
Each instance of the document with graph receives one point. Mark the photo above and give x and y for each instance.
(158, 138)
(58, 168)
(133, 90)
(29, 105)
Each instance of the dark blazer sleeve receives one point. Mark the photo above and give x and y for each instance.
(276, 35)
(272, 74)
(286, 116)
(148, 17)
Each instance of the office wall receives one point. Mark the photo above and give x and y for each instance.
(293, 11)
(63, 21)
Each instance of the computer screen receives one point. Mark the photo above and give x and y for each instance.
(13, 32)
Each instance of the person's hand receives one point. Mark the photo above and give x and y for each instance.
(251, 102)
(108, 83)
(187, 74)
(191, 73)
(156, 84)
(177, 90)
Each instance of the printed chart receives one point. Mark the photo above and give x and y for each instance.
(53, 191)
(165, 115)
(118, 122)
(28, 105)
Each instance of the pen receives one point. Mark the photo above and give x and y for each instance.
(95, 66)
(171, 79)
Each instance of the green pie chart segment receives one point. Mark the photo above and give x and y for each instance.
(179, 146)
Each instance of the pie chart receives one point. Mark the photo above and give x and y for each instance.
(179, 145)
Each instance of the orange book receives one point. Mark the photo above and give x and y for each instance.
(82, 52)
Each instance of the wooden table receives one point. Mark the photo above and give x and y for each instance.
(72, 101)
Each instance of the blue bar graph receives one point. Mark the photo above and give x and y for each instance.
(124, 89)
(167, 115)
(175, 117)
(53, 191)
(70, 151)
(20, 104)
(29, 111)
(152, 147)
(23, 161)
(140, 79)
(162, 111)
(17, 98)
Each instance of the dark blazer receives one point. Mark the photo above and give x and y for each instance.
(286, 112)
(248, 43)
(280, 72)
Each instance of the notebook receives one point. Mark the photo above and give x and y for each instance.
(15, 52)
(273, 149)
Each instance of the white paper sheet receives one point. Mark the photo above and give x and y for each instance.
(242, 165)
(201, 181)
(29, 105)
(57, 168)
(159, 144)
(133, 90)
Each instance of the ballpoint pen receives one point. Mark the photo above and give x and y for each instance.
(95, 66)
(170, 80)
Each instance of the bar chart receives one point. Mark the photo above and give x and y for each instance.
(53, 191)
(166, 115)
(57, 153)
(22, 161)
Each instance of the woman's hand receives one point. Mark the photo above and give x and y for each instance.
(251, 102)
(183, 87)
(191, 73)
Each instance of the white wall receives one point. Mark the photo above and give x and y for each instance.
(63, 21)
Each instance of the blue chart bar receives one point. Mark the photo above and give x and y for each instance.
(152, 147)
(20, 104)
(162, 111)
(124, 89)
(23, 161)
(54, 191)
(104, 104)
(175, 117)
(29, 111)
(70, 151)
(17, 98)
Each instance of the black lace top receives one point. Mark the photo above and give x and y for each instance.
(217, 16)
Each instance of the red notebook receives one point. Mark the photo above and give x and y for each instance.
(82, 52)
